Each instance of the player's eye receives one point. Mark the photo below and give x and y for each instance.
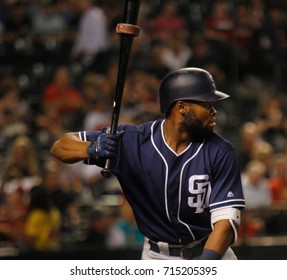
(207, 105)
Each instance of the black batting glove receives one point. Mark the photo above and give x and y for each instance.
(106, 146)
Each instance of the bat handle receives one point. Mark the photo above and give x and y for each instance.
(106, 172)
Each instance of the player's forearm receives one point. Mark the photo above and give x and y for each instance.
(221, 237)
(70, 149)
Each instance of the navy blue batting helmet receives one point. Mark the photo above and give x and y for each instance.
(188, 84)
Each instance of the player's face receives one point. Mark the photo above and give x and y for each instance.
(200, 119)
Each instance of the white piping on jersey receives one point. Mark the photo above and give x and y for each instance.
(166, 172)
(180, 188)
(228, 206)
(84, 138)
(166, 175)
(84, 134)
(226, 201)
(169, 146)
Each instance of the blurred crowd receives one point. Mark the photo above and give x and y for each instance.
(58, 73)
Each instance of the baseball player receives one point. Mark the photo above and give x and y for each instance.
(180, 177)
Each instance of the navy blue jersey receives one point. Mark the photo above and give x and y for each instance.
(173, 195)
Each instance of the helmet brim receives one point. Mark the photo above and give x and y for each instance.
(207, 97)
(210, 97)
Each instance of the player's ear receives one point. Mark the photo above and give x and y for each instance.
(181, 107)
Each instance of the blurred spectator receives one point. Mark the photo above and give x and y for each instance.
(62, 97)
(44, 132)
(201, 53)
(13, 213)
(243, 30)
(278, 180)
(53, 185)
(177, 53)
(7, 79)
(91, 89)
(6, 227)
(263, 151)
(249, 138)
(125, 233)
(93, 32)
(110, 80)
(97, 108)
(257, 194)
(155, 64)
(204, 56)
(3, 11)
(252, 225)
(17, 23)
(100, 224)
(168, 22)
(43, 223)
(275, 30)
(23, 167)
(67, 191)
(140, 51)
(256, 187)
(243, 39)
(272, 122)
(1, 31)
(219, 23)
(47, 22)
(145, 16)
(12, 113)
(257, 13)
(140, 99)
(218, 26)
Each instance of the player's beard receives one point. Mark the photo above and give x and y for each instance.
(195, 128)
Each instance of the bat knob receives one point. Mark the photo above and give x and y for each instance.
(106, 173)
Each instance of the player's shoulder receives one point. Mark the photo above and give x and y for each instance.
(130, 130)
(143, 128)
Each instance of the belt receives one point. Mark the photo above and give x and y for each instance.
(185, 251)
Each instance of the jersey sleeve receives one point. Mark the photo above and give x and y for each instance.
(227, 187)
(90, 136)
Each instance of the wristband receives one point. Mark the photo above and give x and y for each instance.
(91, 151)
(208, 254)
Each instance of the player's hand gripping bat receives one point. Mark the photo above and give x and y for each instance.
(127, 30)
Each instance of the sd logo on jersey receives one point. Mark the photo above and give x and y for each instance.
(200, 189)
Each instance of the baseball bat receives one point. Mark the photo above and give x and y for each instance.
(127, 31)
